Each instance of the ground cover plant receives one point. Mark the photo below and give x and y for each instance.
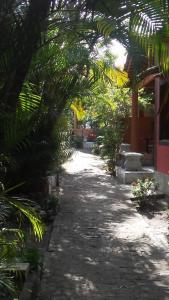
(143, 189)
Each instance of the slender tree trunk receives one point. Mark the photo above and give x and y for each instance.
(28, 38)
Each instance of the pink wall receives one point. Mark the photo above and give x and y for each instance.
(163, 159)
(162, 151)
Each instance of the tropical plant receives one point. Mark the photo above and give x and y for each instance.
(12, 234)
(47, 60)
(149, 26)
(141, 27)
(143, 188)
(32, 256)
(6, 285)
(105, 111)
(78, 142)
(25, 24)
(15, 132)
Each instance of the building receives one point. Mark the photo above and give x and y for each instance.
(151, 133)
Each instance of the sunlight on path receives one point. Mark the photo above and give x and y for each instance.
(81, 161)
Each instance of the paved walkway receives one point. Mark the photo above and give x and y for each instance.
(101, 248)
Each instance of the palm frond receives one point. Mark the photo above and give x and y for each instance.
(6, 283)
(28, 100)
(23, 206)
(78, 110)
(150, 27)
(106, 26)
(110, 74)
(11, 239)
(17, 125)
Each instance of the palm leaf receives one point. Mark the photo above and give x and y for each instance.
(28, 100)
(110, 74)
(150, 27)
(18, 125)
(6, 282)
(25, 206)
(22, 205)
(106, 26)
(78, 110)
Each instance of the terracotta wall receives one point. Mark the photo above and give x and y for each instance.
(87, 133)
(146, 133)
(163, 159)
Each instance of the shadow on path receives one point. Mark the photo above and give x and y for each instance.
(101, 248)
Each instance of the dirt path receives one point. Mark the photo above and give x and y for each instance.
(101, 248)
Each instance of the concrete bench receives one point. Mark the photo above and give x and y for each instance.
(132, 161)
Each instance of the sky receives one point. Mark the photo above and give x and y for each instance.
(118, 50)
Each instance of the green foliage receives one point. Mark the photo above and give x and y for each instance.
(62, 70)
(106, 114)
(17, 125)
(32, 256)
(149, 26)
(143, 188)
(6, 285)
(47, 61)
(96, 149)
(112, 138)
(105, 110)
(105, 103)
(62, 137)
(22, 205)
(12, 234)
(78, 142)
(106, 26)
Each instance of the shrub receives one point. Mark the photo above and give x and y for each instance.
(111, 142)
(78, 142)
(143, 188)
(95, 149)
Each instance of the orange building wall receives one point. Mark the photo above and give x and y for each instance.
(163, 159)
(146, 133)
